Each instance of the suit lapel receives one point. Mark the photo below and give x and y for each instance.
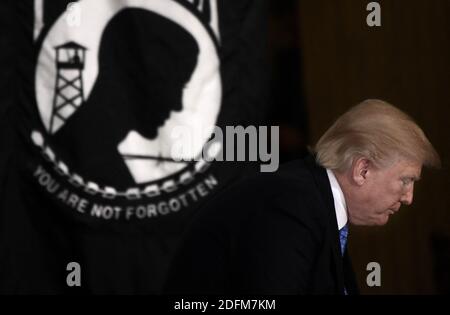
(323, 185)
(350, 279)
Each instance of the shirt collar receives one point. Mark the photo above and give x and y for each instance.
(339, 201)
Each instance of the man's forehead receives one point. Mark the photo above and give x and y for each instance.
(409, 168)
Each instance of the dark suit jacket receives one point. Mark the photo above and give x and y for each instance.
(274, 233)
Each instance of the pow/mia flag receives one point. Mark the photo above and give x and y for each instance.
(96, 94)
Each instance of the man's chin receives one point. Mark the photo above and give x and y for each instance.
(380, 220)
(383, 219)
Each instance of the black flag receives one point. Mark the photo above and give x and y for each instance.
(88, 171)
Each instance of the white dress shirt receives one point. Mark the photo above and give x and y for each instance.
(339, 200)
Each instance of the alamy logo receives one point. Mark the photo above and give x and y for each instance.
(73, 278)
(373, 279)
(374, 17)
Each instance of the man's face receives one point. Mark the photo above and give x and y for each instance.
(383, 191)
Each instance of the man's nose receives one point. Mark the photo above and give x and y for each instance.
(407, 197)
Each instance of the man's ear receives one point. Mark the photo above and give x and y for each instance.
(360, 170)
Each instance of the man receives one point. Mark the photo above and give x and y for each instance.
(286, 232)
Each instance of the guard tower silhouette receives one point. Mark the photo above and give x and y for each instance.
(69, 94)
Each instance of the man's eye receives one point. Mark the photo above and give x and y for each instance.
(406, 181)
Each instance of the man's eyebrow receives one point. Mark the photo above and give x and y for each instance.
(413, 177)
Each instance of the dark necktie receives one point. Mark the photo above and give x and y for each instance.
(343, 235)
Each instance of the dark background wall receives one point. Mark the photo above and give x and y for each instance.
(342, 61)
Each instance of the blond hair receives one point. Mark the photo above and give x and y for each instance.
(377, 131)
